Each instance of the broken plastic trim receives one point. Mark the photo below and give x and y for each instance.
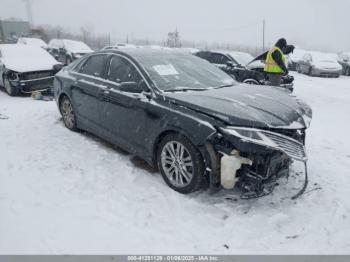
(289, 146)
(230, 164)
(275, 141)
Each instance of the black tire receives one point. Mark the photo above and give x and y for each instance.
(68, 60)
(197, 169)
(12, 91)
(347, 72)
(298, 68)
(310, 72)
(68, 114)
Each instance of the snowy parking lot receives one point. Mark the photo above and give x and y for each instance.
(65, 192)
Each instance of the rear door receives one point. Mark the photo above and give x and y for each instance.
(87, 89)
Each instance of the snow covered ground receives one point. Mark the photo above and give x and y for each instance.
(64, 192)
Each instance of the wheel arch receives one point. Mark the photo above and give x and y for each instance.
(198, 141)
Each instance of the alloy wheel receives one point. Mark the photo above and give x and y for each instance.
(68, 113)
(177, 164)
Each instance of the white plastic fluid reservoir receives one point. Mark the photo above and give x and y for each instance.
(229, 166)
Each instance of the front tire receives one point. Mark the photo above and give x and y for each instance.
(12, 91)
(68, 114)
(180, 163)
(68, 60)
(347, 71)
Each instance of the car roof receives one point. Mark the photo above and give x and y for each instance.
(145, 50)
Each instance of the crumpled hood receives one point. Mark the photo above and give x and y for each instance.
(22, 65)
(248, 106)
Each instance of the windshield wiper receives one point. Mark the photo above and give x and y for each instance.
(184, 89)
(222, 86)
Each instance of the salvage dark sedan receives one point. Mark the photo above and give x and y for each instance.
(185, 116)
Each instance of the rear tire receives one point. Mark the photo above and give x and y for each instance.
(310, 73)
(12, 91)
(180, 163)
(68, 114)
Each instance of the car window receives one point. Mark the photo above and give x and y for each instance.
(202, 55)
(219, 59)
(94, 66)
(121, 70)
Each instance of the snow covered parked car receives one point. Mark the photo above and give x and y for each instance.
(320, 64)
(344, 60)
(66, 51)
(25, 68)
(295, 58)
(185, 116)
(32, 41)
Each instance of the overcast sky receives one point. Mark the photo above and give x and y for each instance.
(319, 24)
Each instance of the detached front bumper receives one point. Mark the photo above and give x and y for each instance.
(31, 85)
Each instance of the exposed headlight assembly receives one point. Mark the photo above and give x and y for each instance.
(291, 147)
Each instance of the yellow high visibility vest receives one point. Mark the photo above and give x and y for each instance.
(270, 64)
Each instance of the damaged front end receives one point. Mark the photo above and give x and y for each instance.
(28, 82)
(254, 159)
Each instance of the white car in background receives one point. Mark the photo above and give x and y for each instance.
(26, 68)
(66, 51)
(320, 64)
(32, 41)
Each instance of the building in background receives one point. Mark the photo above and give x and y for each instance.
(10, 31)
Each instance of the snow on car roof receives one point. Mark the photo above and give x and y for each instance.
(32, 41)
(319, 56)
(241, 57)
(297, 54)
(76, 46)
(22, 51)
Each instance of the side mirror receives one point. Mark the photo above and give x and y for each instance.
(230, 64)
(144, 87)
(57, 68)
(130, 87)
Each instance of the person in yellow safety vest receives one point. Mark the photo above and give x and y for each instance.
(275, 65)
